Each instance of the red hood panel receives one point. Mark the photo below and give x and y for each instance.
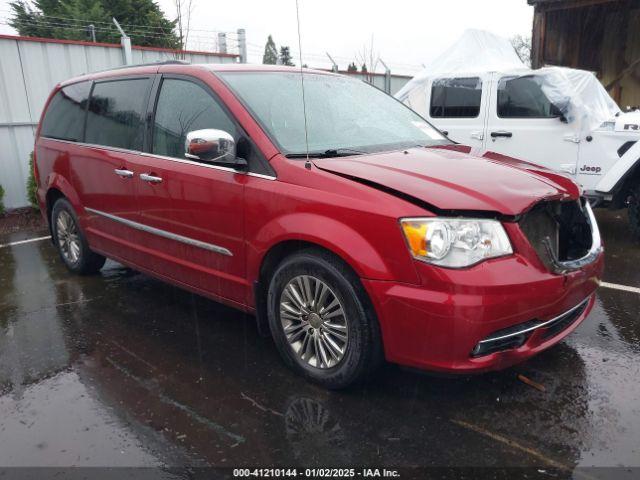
(452, 180)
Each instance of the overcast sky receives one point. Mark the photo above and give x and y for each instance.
(406, 33)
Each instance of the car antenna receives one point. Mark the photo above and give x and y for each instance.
(307, 163)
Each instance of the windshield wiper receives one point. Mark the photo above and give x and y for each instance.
(330, 153)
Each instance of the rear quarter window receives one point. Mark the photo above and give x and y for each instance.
(64, 118)
(116, 113)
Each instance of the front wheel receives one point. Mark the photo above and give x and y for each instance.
(321, 320)
(633, 212)
(70, 241)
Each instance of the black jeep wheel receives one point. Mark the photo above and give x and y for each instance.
(634, 212)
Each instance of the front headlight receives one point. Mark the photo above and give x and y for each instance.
(455, 242)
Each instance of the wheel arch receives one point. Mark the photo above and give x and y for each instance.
(268, 264)
(280, 251)
(58, 187)
(364, 256)
(623, 188)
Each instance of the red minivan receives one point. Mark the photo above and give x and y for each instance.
(350, 227)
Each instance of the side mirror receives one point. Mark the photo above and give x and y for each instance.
(213, 146)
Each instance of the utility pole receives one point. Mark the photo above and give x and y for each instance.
(125, 41)
(91, 32)
(334, 65)
(222, 42)
(242, 45)
(387, 77)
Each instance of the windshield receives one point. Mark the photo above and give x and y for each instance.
(342, 113)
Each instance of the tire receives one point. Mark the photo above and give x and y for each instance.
(70, 240)
(342, 309)
(633, 211)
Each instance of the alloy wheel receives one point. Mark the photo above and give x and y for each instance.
(314, 322)
(68, 238)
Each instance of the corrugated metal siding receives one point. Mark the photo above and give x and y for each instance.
(397, 81)
(28, 72)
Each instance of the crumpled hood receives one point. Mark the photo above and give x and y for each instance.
(449, 179)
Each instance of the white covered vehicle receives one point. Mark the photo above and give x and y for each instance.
(480, 94)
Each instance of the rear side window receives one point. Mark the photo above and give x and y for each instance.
(64, 118)
(522, 97)
(116, 113)
(182, 107)
(456, 97)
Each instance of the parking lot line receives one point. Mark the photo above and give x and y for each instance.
(624, 288)
(20, 242)
(513, 444)
(614, 286)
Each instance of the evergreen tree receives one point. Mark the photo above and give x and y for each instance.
(270, 56)
(364, 68)
(285, 57)
(142, 20)
(352, 68)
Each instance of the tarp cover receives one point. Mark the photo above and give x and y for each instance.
(578, 94)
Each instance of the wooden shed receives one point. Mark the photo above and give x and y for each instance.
(598, 35)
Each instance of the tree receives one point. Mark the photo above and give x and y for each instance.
(285, 57)
(352, 68)
(142, 20)
(369, 59)
(522, 46)
(184, 9)
(32, 186)
(270, 56)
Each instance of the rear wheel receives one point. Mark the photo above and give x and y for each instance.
(321, 320)
(633, 211)
(71, 242)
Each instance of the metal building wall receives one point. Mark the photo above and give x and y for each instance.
(29, 69)
(397, 81)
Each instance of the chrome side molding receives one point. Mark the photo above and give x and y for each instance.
(538, 325)
(163, 233)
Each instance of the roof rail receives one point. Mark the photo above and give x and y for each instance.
(151, 64)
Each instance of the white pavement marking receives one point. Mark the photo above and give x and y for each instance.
(624, 288)
(21, 242)
(614, 286)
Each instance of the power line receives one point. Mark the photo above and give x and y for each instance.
(125, 26)
(195, 35)
(113, 32)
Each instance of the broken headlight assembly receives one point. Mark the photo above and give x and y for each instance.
(455, 242)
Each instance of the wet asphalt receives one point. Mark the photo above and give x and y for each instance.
(119, 369)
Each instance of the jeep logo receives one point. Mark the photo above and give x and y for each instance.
(631, 126)
(590, 169)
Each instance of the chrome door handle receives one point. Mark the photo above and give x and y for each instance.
(477, 135)
(150, 178)
(123, 173)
